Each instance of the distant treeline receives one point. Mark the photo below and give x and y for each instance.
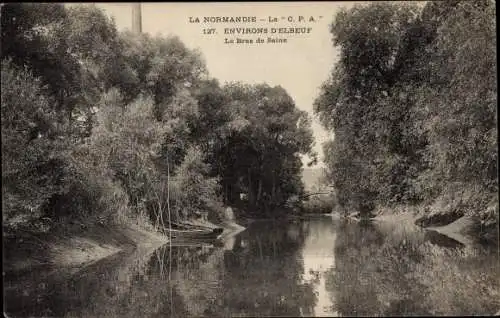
(412, 103)
(98, 124)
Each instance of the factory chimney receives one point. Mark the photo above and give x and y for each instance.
(136, 18)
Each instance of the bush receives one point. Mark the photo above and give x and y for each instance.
(321, 204)
(197, 192)
(34, 147)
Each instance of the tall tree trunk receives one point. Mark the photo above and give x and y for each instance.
(259, 192)
(251, 198)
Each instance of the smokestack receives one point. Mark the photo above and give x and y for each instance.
(136, 18)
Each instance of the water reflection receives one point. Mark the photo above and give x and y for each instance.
(370, 280)
(393, 270)
(319, 267)
(319, 259)
(264, 275)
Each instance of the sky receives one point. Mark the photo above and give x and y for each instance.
(300, 66)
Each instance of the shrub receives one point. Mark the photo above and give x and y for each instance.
(34, 147)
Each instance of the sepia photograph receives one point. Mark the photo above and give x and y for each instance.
(250, 159)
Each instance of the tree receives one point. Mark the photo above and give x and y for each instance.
(100, 125)
(261, 154)
(364, 103)
(462, 150)
(412, 112)
(34, 147)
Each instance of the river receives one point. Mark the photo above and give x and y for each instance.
(316, 267)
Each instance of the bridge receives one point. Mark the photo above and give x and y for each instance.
(324, 190)
(314, 193)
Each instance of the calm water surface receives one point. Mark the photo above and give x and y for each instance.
(318, 267)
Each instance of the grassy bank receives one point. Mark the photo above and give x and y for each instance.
(77, 244)
(74, 247)
(465, 229)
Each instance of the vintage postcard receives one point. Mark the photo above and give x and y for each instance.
(257, 159)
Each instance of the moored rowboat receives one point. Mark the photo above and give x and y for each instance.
(208, 234)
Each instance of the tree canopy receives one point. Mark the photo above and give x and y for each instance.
(102, 124)
(411, 104)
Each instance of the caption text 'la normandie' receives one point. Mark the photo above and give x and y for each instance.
(254, 30)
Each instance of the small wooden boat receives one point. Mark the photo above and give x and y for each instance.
(195, 234)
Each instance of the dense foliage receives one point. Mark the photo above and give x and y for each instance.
(107, 126)
(412, 105)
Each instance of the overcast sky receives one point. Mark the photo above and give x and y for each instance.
(299, 66)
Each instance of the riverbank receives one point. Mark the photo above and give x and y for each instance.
(87, 245)
(26, 251)
(464, 229)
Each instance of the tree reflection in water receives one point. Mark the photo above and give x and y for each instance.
(371, 275)
(264, 273)
(386, 270)
(307, 268)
